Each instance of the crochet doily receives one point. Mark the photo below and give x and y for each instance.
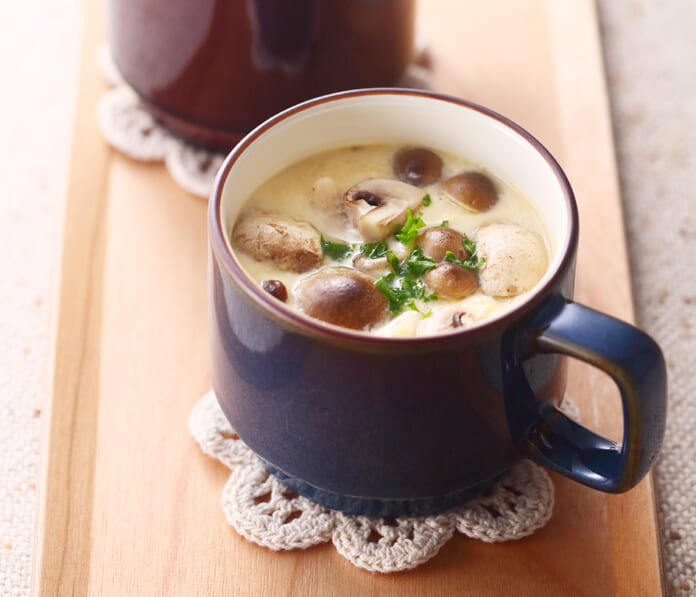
(263, 510)
(128, 127)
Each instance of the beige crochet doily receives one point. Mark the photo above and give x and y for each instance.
(263, 510)
(128, 127)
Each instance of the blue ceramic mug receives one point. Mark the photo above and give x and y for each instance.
(410, 426)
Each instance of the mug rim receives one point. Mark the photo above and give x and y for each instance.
(305, 325)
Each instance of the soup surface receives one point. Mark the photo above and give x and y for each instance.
(391, 240)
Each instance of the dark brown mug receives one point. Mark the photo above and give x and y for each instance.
(211, 70)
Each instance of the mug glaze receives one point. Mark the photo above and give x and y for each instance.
(211, 70)
(411, 426)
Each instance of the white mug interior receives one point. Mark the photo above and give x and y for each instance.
(409, 118)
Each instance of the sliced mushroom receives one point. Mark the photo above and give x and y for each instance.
(291, 245)
(371, 267)
(342, 296)
(417, 166)
(473, 189)
(515, 259)
(436, 241)
(445, 319)
(451, 281)
(378, 206)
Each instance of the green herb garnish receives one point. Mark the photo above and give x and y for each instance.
(473, 263)
(469, 245)
(374, 250)
(334, 250)
(445, 224)
(393, 261)
(412, 305)
(409, 230)
(417, 264)
(427, 200)
(389, 287)
(405, 284)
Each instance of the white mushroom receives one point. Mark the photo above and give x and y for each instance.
(404, 324)
(291, 245)
(515, 259)
(378, 206)
(325, 195)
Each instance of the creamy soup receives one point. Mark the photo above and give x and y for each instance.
(391, 240)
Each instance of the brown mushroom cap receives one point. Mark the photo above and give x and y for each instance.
(293, 246)
(436, 241)
(275, 288)
(341, 296)
(379, 206)
(451, 281)
(417, 166)
(473, 189)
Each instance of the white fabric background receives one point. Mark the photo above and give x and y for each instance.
(649, 52)
(649, 48)
(39, 49)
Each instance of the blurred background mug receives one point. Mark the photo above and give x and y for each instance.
(211, 70)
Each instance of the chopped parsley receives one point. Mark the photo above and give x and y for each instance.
(473, 263)
(334, 250)
(393, 261)
(417, 264)
(374, 250)
(427, 200)
(469, 245)
(412, 305)
(409, 230)
(405, 284)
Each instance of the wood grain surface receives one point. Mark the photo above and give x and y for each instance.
(130, 506)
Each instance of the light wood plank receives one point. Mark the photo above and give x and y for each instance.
(63, 532)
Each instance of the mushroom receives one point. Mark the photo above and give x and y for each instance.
(372, 267)
(515, 259)
(436, 241)
(445, 319)
(325, 195)
(341, 296)
(404, 324)
(474, 189)
(451, 281)
(417, 166)
(275, 288)
(378, 206)
(291, 245)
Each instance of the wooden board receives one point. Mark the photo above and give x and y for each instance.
(129, 505)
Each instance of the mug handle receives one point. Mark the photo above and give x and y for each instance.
(636, 364)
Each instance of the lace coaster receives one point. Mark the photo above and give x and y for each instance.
(263, 510)
(129, 128)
